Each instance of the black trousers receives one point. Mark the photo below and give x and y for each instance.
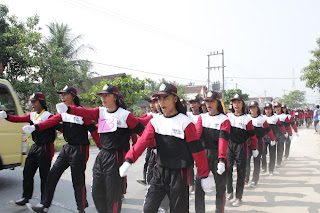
(39, 156)
(287, 147)
(220, 181)
(315, 125)
(107, 185)
(151, 164)
(146, 163)
(272, 154)
(237, 153)
(76, 157)
(171, 182)
(280, 147)
(256, 163)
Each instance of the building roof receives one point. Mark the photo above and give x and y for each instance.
(193, 89)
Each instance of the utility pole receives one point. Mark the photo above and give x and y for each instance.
(284, 92)
(265, 96)
(217, 67)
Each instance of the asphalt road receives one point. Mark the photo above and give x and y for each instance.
(294, 188)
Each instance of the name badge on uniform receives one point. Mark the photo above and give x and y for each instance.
(107, 125)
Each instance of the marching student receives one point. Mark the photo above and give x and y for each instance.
(316, 117)
(241, 130)
(114, 125)
(41, 151)
(74, 154)
(281, 139)
(289, 130)
(144, 121)
(196, 110)
(178, 146)
(261, 128)
(203, 107)
(278, 130)
(213, 129)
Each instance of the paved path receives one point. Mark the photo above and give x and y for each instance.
(294, 188)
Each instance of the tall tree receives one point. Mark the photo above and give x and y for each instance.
(311, 73)
(294, 99)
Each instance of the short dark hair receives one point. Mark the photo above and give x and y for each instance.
(317, 106)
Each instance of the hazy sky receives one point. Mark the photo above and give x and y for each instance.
(261, 39)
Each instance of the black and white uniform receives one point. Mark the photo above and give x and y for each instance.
(214, 132)
(40, 153)
(178, 146)
(241, 130)
(281, 139)
(261, 128)
(74, 154)
(194, 119)
(277, 129)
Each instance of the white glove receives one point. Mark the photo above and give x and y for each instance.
(286, 135)
(272, 143)
(206, 183)
(290, 138)
(255, 153)
(155, 151)
(3, 114)
(89, 135)
(297, 134)
(123, 170)
(29, 129)
(221, 168)
(61, 108)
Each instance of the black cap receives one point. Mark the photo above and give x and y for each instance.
(195, 99)
(109, 89)
(212, 95)
(237, 97)
(152, 99)
(68, 89)
(37, 96)
(166, 89)
(277, 104)
(254, 104)
(268, 105)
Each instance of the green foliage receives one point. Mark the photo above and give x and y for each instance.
(294, 99)
(133, 90)
(230, 93)
(31, 65)
(311, 73)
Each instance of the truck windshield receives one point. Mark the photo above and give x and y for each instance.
(6, 101)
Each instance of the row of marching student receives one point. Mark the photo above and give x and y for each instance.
(174, 140)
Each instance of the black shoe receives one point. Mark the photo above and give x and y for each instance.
(237, 203)
(20, 202)
(39, 208)
(253, 184)
(230, 196)
(142, 181)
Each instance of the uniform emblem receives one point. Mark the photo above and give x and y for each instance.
(210, 94)
(236, 96)
(252, 103)
(177, 131)
(162, 87)
(105, 87)
(65, 88)
(32, 95)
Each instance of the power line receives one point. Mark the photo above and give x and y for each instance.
(265, 78)
(135, 70)
(124, 19)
